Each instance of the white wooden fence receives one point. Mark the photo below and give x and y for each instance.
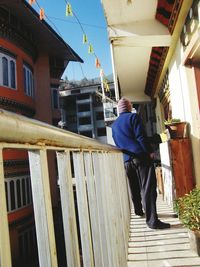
(101, 189)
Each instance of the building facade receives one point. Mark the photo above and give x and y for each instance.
(83, 110)
(155, 51)
(30, 71)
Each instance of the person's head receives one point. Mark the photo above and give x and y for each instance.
(124, 105)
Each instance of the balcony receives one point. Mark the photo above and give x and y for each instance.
(104, 232)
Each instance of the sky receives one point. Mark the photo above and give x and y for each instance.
(90, 14)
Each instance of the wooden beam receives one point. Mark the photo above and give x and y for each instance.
(5, 253)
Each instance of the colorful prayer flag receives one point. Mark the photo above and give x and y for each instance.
(90, 49)
(97, 63)
(69, 10)
(31, 2)
(85, 40)
(42, 16)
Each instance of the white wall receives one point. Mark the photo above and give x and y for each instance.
(159, 117)
(185, 102)
(110, 140)
(175, 85)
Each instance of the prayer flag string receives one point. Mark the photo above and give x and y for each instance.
(70, 12)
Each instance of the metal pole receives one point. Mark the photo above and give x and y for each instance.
(114, 72)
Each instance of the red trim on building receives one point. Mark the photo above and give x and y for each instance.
(20, 214)
(17, 94)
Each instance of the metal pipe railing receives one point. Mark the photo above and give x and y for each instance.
(22, 130)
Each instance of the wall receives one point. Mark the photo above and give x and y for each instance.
(17, 94)
(159, 117)
(42, 89)
(44, 111)
(184, 102)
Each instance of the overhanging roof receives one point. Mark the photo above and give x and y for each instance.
(141, 33)
(47, 39)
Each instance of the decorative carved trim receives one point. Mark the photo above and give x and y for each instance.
(22, 221)
(11, 174)
(155, 67)
(174, 15)
(14, 168)
(167, 14)
(12, 105)
(7, 52)
(13, 35)
(16, 163)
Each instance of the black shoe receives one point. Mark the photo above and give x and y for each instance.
(140, 213)
(160, 225)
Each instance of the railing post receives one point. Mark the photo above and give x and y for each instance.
(111, 209)
(119, 189)
(68, 209)
(42, 208)
(5, 253)
(93, 207)
(86, 241)
(99, 173)
(124, 197)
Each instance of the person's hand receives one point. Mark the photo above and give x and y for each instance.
(152, 155)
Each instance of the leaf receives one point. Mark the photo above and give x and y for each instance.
(188, 209)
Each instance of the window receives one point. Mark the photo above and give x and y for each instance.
(83, 107)
(84, 120)
(27, 245)
(18, 192)
(164, 96)
(7, 70)
(86, 133)
(99, 115)
(83, 97)
(28, 81)
(71, 118)
(75, 91)
(4, 14)
(12, 74)
(55, 98)
(101, 131)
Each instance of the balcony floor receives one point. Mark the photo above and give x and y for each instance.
(159, 248)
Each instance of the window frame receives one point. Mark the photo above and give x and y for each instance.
(53, 89)
(20, 198)
(10, 59)
(100, 131)
(28, 81)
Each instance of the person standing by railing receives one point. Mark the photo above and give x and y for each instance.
(129, 135)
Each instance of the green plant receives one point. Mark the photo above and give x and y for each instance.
(188, 209)
(171, 121)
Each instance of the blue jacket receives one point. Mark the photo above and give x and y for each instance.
(129, 134)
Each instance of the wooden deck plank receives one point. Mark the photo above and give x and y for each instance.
(158, 248)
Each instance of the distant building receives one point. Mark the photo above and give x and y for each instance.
(83, 110)
(32, 59)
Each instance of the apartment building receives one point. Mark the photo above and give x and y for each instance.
(85, 112)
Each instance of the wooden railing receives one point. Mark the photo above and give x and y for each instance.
(101, 194)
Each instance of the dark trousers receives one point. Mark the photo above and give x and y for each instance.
(142, 181)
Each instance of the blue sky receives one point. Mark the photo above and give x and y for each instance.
(90, 14)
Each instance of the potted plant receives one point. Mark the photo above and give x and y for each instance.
(176, 127)
(188, 209)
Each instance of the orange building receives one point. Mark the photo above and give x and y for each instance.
(32, 59)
